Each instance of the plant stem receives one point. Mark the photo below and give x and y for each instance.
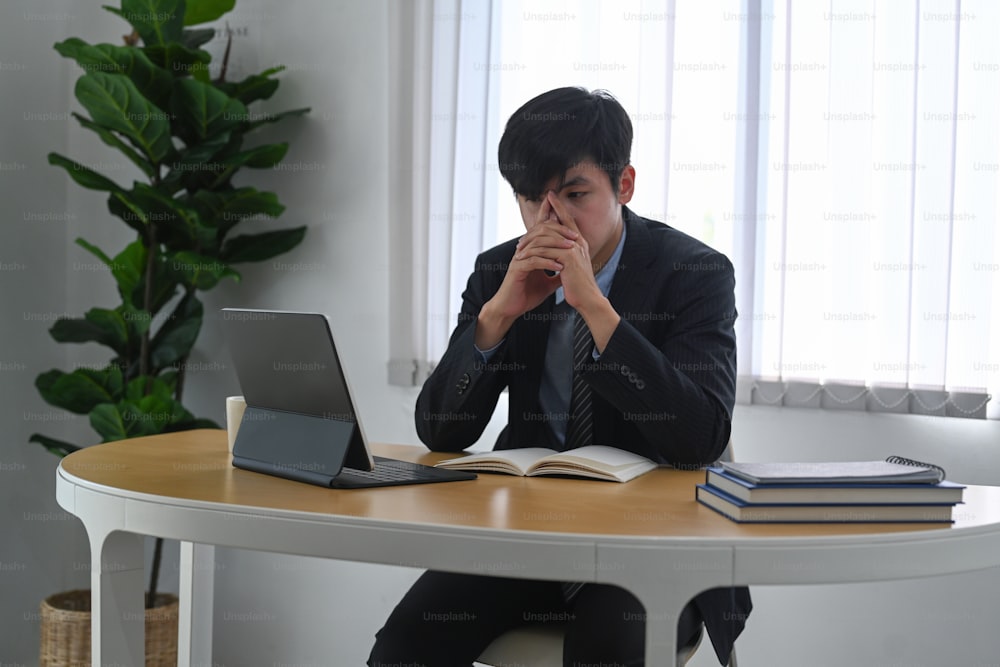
(182, 369)
(145, 370)
(147, 299)
(225, 57)
(147, 292)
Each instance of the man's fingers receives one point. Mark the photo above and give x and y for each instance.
(544, 211)
(544, 243)
(547, 234)
(564, 216)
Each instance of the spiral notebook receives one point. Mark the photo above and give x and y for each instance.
(894, 469)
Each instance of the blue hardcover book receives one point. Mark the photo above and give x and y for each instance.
(744, 512)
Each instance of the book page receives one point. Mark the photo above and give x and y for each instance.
(596, 461)
(519, 460)
(600, 457)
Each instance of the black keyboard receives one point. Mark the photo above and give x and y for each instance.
(393, 472)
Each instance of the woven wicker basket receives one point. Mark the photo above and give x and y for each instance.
(66, 631)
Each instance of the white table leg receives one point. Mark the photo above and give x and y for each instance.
(117, 631)
(664, 586)
(197, 597)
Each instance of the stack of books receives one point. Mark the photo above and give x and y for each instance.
(894, 490)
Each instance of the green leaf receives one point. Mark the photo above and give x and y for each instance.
(112, 324)
(77, 392)
(108, 422)
(203, 11)
(147, 407)
(258, 247)
(268, 119)
(113, 381)
(119, 204)
(144, 205)
(204, 109)
(196, 157)
(84, 176)
(142, 386)
(76, 330)
(179, 59)
(254, 87)
(87, 55)
(95, 251)
(175, 338)
(58, 447)
(192, 39)
(114, 103)
(137, 320)
(111, 139)
(199, 271)
(129, 271)
(152, 82)
(158, 22)
(229, 207)
(147, 205)
(129, 268)
(169, 379)
(164, 289)
(259, 157)
(98, 325)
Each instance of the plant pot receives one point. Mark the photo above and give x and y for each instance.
(65, 632)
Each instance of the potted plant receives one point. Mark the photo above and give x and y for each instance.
(155, 101)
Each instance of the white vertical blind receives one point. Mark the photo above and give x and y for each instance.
(875, 216)
(845, 155)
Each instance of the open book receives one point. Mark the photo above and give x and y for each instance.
(594, 461)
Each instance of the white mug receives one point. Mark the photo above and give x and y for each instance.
(235, 405)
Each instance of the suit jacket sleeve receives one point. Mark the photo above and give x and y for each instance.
(674, 380)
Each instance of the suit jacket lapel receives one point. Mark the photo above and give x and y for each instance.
(530, 337)
(628, 288)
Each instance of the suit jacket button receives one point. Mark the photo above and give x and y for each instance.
(624, 370)
(641, 384)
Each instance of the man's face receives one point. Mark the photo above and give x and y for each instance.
(586, 195)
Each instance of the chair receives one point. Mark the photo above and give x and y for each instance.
(541, 646)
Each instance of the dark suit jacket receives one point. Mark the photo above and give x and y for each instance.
(663, 387)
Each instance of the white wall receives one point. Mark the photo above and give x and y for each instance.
(42, 550)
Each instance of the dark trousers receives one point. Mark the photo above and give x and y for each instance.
(447, 620)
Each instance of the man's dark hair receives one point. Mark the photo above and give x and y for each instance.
(559, 129)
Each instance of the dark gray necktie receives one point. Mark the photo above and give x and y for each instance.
(579, 432)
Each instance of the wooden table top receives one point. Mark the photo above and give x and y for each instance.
(196, 466)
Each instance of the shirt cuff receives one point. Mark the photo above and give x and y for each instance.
(486, 355)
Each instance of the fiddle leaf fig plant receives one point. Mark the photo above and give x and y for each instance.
(154, 100)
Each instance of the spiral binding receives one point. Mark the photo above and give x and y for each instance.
(902, 460)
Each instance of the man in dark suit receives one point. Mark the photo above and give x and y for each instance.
(606, 328)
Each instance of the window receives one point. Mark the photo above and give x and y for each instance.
(844, 155)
